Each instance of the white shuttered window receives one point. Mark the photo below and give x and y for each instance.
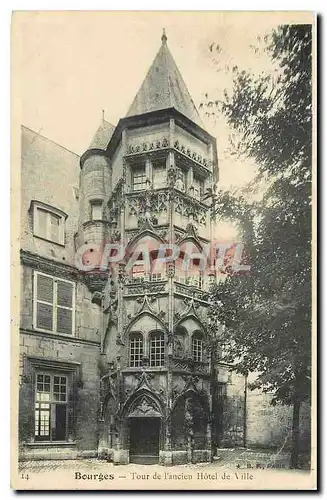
(54, 304)
(49, 225)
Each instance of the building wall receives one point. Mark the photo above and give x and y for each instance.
(256, 423)
(50, 174)
(271, 426)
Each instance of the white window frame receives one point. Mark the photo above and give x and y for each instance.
(197, 349)
(136, 349)
(191, 279)
(138, 277)
(51, 402)
(53, 304)
(139, 172)
(39, 206)
(157, 277)
(157, 349)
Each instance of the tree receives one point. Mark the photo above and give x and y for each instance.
(267, 313)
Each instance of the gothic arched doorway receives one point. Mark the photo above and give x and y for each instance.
(144, 429)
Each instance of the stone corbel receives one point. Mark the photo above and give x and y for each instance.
(97, 298)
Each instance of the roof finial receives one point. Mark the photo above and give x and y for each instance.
(103, 115)
(164, 37)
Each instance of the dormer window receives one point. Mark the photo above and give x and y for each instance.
(48, 222)
(96, 210)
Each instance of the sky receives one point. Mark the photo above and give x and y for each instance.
(72, 65)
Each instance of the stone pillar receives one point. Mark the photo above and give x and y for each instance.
(171, 132)
(190, 447)
(121, 455)
(165, 455)
(148, 171)
(209, 442)
(189, 181)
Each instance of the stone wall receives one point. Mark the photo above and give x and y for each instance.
(271, 426)
(266, 426)
(86, 399)
(232, 396)
(49, 174)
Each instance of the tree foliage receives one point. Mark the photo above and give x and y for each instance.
(267, 313)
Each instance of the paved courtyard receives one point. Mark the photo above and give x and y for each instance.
(226, 459)
(230, 469)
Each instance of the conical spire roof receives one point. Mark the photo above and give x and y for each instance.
(103, 135)
(164, 87)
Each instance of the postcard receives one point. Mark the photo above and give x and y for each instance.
(163, 250)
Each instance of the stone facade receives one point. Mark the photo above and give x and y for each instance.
(50, 175)
(115, 360)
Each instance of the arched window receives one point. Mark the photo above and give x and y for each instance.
(157, 349)
(197, 347)
(135, 349)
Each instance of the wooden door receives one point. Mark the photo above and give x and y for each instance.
(144, 440)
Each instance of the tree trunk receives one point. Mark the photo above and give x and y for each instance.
(295, 434)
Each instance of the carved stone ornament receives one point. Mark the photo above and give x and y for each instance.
(170, 338)
(170, 269)
(97, 298)
(190, 382)
(145, 408)
(119, 340)
(198, 158)
(121, 272)
(138, 289)
(146, 217)
(115, 236)
(145, 146)
(177, 316)
(191, 230)
(171, 176)
(144, 380)
(175, 392)
(189, 418)
(95, 280)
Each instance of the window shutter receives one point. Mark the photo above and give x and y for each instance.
(65, 294)
(44, 316)
(54, 304)
(55, 228)
(65, 300)
(42, 223)
(64, 321)
(44, 288)
(44, 311)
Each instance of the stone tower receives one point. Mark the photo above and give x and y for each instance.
(142, 186)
